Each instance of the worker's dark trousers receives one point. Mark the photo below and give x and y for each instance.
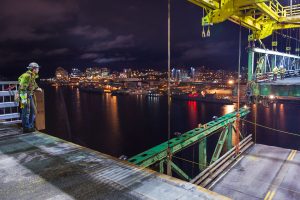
(275, 77)
(28, 114)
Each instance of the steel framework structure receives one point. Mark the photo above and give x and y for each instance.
(271, 59)
(160, 153)
(261, 16)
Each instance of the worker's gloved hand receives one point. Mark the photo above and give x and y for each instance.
(24, 101)
(39, 90)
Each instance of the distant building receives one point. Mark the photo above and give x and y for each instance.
(192, 72)
(173, 74)
(61, 74)
(105, 72)
(128, 72)
(75, 72)
(76, 75)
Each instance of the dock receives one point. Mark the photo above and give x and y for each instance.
(39, 166)
(263, 172)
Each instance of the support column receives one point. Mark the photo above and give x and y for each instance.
(229, 137)
(169, 162)
(250, 64)
(202, 154)
(179, 171)
(161, 166)
(273, 62)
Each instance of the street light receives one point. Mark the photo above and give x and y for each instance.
(230, 82)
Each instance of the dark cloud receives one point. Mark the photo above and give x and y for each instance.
(90, 32)
(89, 56)
(122, 41)
(60, 51)
(21, 20)
(113, 59)
(195, 51)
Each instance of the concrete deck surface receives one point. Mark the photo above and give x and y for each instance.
(286, 81)
(264, 172)
(38, 166)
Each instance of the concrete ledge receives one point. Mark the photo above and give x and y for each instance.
(39, 166)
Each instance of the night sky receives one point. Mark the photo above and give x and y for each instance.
(113, 34)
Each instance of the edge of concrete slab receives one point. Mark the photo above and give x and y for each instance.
(163, 177)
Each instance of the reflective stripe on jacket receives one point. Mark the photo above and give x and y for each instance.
(27, 83)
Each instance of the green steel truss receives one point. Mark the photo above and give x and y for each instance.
(159, 154)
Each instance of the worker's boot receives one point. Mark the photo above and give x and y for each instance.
(32, 130)
(26, 130)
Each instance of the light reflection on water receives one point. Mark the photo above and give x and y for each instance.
(227, 109)
(193, 113)
(129, 125)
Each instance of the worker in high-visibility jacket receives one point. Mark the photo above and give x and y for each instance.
(275, 73)
(28, 86)
(282, 71)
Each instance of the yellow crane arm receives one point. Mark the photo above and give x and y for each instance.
(261, 16)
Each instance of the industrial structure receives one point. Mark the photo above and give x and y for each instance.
(237, 169)
(263, 18)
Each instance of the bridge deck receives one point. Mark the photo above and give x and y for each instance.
(264, 172)
(38, 166)
(286, 81)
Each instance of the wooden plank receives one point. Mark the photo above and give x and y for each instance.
(40, 115)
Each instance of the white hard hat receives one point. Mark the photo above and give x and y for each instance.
(33, 65)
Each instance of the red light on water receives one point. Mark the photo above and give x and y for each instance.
(193, 95)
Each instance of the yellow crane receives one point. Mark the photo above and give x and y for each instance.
(261, 16)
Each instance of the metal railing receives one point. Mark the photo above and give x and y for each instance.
(277, 8)
(9, 109)
(292, 11)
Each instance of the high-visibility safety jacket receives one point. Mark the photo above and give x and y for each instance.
(275, 70)
(27, 84)
(282, 70)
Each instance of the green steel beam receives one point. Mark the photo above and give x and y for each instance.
(229, 137)
(279, 90)
(187, 139)
(161, 166)
(178, 171)
(219, 146)
(202, 154)
(273, 62)
(250, 65)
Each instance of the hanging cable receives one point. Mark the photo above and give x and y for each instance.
(169, 157)
(272, 129)
(203, 29)
(272, 43)
(239, 65)
(237, 138)
(287, 36)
